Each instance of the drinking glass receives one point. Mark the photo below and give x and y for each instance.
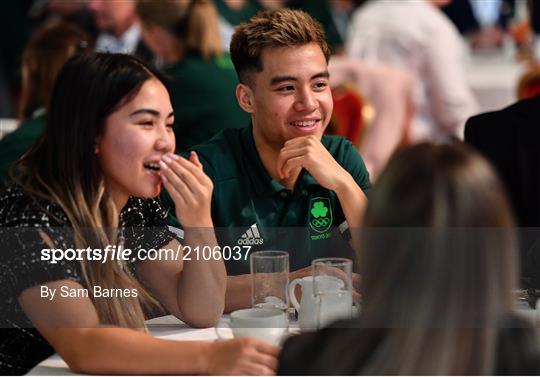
(332, 289)
(270, 279)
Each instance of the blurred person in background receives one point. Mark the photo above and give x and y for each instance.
(237, 11)
(534, 15)
(387, 94)
(438, 262)
(19, 21)
(325, 11)
(429, 46)
(43, 58)
(233, 12)
(185, 35)
(333, 15)
(120, 31)
(74, 12)
(14, 31)
(510, 139)
(485, 22)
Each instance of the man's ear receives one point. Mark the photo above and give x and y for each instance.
(244, 95)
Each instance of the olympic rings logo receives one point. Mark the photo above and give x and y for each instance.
(320, 222)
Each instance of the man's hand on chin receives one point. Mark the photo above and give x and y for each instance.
(309, 153)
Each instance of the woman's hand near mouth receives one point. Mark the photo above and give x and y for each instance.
(189, 187)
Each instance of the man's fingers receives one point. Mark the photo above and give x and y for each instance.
(290, 164)
(307, 151)
(357, 299)
(289, 150)
(302, 140)
(286, 154)
(356, 279)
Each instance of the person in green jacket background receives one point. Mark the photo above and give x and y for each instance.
(43, 58)
(185, 35)
(235, 12)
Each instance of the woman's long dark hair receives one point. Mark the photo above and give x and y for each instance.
(63, 167)
(438, 263)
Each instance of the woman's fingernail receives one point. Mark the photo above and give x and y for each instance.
(174, 156)
(163, 178)
(166, 159)
(162, 164)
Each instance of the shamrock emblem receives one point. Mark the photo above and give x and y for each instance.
(319, 210)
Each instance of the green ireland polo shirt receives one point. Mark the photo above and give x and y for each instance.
(249, 208)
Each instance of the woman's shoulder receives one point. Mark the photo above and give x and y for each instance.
(18, 208)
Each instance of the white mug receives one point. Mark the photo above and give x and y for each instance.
(268, 325)
(308, 307)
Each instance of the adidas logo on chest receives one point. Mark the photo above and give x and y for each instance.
(251, 236)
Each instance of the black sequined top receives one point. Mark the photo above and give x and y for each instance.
(22, 217)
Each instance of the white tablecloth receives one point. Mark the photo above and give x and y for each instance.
(171, 328)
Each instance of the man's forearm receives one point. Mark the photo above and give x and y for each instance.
(353, 202)
(238, 294)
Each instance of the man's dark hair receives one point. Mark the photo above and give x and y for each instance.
(281, 28)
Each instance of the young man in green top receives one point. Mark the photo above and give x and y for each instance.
(282, 172)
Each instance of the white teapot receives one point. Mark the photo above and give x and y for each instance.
(308, 308)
